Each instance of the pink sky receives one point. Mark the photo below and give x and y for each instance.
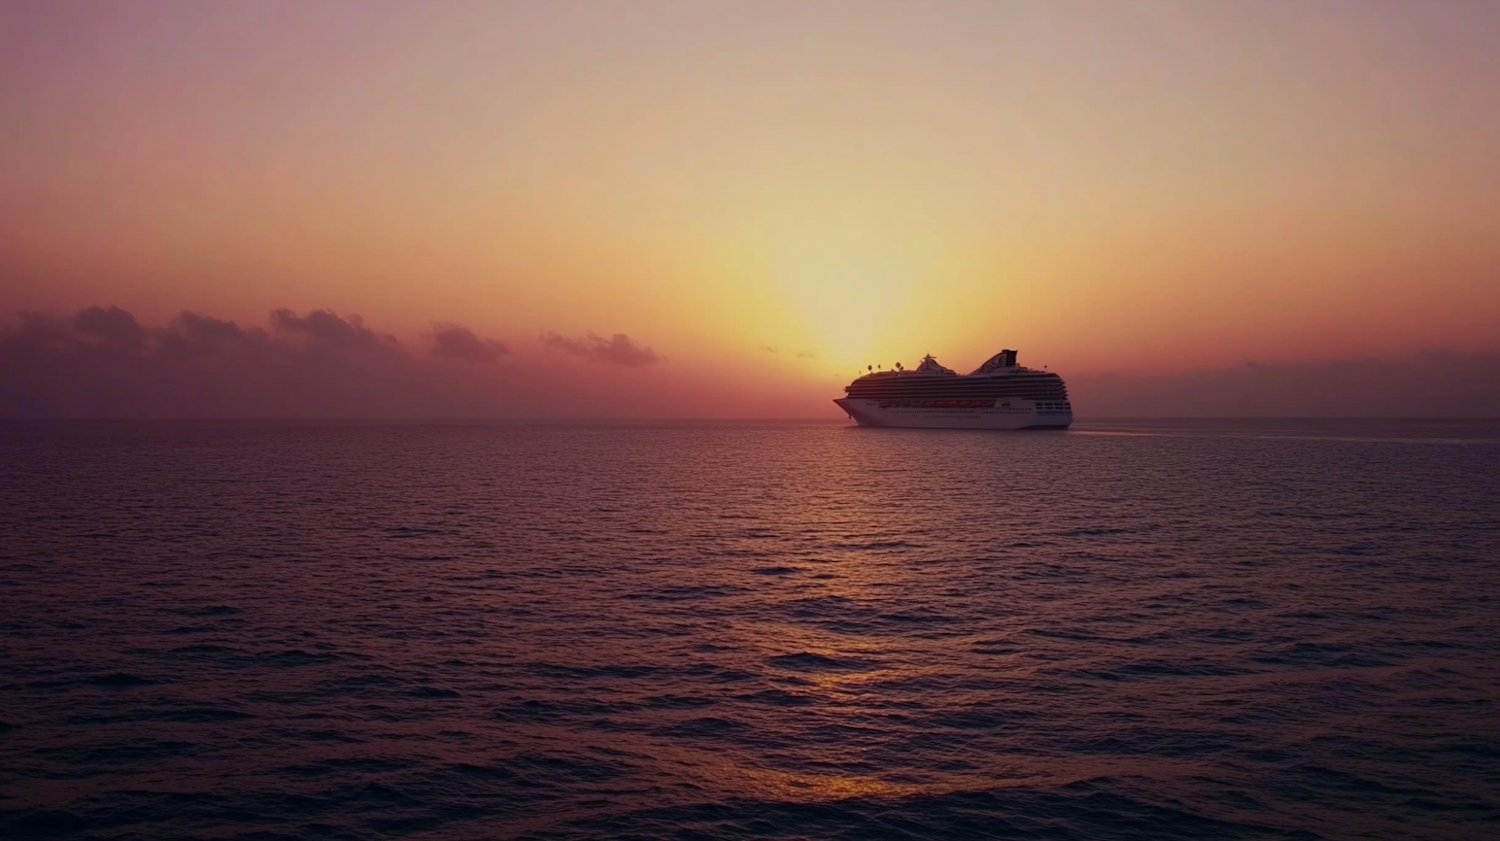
(1143, 187)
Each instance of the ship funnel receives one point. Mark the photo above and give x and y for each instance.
(1003, 359)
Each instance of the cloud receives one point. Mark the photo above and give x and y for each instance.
(193, 336)
(111, 328)
(101, 362)
(457, 343)
(618, 349)
(326, 327)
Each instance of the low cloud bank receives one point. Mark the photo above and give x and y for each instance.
(1426, 384)
(101, 362)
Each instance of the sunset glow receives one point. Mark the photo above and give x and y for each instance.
(784, 190)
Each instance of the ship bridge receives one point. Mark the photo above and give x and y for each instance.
(930, 367)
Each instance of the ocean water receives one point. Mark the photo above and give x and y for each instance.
(1144, 630)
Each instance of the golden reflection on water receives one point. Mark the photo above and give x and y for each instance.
(781, 785)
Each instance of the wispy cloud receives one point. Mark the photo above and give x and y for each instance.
(619, 349)
(801, 354)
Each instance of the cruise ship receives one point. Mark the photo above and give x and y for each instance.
(998, 395)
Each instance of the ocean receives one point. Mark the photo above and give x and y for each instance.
(695, 630)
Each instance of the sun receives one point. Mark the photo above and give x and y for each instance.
(845, 296)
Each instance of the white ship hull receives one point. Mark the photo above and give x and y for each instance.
(1012, 414)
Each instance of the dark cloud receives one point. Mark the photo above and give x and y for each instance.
(94, 329)
(102, 363)
(451, 341)
(193, 336)
(324, 329)
(618, 349)
(113, 328)
(1427, 384)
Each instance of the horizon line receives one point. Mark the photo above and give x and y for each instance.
(681, 419)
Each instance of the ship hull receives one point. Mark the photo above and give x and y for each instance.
(1018, 414)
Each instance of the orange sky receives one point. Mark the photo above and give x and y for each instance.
(1114, 185)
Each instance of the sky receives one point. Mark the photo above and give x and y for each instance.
(701, 208)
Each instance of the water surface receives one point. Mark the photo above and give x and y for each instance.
(1153, 629)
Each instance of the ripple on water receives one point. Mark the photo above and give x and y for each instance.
(1246, 630)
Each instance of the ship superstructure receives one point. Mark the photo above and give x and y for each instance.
(999, 394)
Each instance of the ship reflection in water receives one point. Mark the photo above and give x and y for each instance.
(1193, 630)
